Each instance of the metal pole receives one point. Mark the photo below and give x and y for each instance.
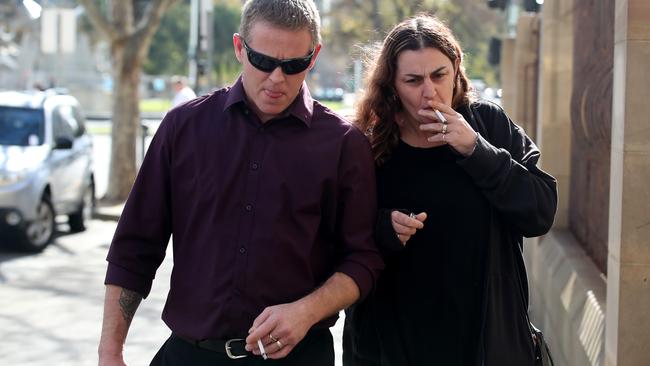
(144, 133)
(208, 7)
(193, 44)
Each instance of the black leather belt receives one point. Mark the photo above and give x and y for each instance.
(233, 348)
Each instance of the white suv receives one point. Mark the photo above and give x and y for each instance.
(45, 167)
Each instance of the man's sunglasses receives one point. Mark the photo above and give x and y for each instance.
(266, 63)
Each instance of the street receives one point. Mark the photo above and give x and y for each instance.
(51, 304)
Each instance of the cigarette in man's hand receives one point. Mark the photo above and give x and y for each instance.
(262, 351)
(440, 116)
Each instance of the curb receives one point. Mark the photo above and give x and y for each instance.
(108, 213)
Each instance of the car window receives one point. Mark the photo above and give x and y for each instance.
(63, 123)
(81, 121)
(21, 126)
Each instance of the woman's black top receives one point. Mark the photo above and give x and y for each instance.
(428, 299)
(457, 293)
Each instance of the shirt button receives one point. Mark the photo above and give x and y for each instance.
(242, 250)
(249, 207)
(254, 166)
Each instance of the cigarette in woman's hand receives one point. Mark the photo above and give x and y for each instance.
(440, 116)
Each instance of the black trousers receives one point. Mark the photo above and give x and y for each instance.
(316, 349)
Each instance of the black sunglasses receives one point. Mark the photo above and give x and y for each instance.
(266, 63)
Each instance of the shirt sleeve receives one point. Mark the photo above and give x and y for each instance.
(143, 231)
(504, 166)
(357, 208)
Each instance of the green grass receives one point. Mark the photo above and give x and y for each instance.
(98, 130)
(163, 105)
(336, 106)
(155, 105)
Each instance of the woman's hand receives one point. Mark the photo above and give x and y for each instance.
(405, 225)
(455, 131)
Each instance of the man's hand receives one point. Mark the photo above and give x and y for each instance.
(280, 328)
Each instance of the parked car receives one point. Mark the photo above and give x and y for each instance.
(46, 167)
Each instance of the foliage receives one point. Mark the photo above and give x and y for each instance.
(168, 51)
(129, 28)
(226, 22)
(169, 48)
(354, 23)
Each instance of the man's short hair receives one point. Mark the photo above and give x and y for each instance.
(289, 14)
(177, 79)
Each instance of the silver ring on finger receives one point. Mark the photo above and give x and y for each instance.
(272, 338)
(444, 128)
(443, 137)
(279, 344)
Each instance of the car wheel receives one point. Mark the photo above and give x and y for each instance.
(39, 232)
(79, 219)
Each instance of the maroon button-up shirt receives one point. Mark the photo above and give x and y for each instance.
(261, 214)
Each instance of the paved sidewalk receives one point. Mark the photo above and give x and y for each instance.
(51, 304)
(108, 213)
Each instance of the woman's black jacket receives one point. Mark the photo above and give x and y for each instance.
(523, 201)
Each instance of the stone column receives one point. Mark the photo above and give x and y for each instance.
(526, 72)
(508, 77)
(554, 103)
(628, 266)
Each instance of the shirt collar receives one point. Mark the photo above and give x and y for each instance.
(301, 108)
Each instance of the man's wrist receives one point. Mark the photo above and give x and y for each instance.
(110, 350)
(309, 311)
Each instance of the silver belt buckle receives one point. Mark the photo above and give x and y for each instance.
(228, 348)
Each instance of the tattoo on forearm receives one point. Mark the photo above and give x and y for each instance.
(129, 301)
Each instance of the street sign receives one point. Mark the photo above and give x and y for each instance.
(58, 30)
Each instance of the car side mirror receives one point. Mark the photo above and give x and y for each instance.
(63, 143)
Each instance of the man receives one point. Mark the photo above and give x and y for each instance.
(270, 198)
(182, 92)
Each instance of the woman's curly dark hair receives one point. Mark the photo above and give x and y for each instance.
(379, 103)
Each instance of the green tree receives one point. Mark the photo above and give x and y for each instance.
(355, 22)
(129, 27)
(169, 47)
(168, 52)
(226, 22)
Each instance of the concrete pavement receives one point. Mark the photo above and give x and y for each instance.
(51, 304)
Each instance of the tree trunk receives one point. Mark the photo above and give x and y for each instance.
(130, 39)
(126, 120)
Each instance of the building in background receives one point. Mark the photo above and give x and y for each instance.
(574, 74)
(42, 47)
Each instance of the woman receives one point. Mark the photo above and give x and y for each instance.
(458, 187)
